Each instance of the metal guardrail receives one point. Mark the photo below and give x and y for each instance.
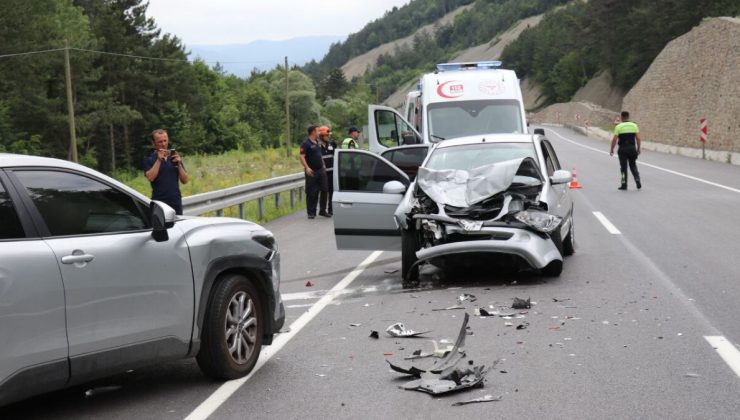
(240, 195)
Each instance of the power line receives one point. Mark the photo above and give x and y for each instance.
(134, 56)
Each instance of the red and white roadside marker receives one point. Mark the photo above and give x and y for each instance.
(703, 130)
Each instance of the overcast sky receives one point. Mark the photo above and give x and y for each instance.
(243, 21)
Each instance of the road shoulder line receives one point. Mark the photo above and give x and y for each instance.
(218, 397)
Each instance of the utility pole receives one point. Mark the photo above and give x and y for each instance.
(287, 112)
(70, 106)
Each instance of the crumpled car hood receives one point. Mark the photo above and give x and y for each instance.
(462, 188)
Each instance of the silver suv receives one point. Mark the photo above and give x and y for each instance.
(96, 279)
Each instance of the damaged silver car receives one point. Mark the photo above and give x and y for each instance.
(474, 197)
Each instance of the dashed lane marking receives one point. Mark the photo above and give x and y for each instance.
(726, 351)
(607, 224)
(213, 402)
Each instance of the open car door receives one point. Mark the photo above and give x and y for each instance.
(387, 128)
(367, 190)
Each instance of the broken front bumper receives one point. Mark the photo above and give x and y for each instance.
(537, 250)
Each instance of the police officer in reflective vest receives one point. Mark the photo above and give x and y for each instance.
(628, 135)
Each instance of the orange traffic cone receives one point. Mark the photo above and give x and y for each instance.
(574, 184)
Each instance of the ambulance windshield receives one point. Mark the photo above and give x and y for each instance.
(449, 120)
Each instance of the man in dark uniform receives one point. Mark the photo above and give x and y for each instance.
(164, 170)
(328, 146)
(628, 135)
(313, 164)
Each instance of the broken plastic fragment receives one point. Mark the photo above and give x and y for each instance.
(400, 330)
(374, 334)
(487, 398)
(521, 303)
(101, 390)
(482, 312)
(355, 325)
(466, 297)
(522, 326)
(309, 284)
(452, 379)
(390, 271)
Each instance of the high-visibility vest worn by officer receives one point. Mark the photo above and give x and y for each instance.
(349, 143)
(627, 133)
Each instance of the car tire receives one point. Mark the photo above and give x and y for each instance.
(553, 269)
(569, 243)
(231, 337)
(409, 268)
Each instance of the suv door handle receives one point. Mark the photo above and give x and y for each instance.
(77, 257)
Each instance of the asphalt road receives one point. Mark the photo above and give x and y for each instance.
(620, 334)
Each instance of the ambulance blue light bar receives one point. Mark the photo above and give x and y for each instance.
(479, 65)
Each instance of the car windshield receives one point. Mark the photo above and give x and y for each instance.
(469, 156)
(449, 120)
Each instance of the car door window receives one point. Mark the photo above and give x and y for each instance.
(10, 227)
(407, 159)
(365, 173)
(392, 130)
(552, 154)
(548, 161)
(73, 204)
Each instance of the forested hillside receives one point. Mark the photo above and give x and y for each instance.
(128, 79)
(573, 44)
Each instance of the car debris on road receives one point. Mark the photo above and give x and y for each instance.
(399, 330)
(487, 398)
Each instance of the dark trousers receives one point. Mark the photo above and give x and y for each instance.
(325, 196)
(628, 156)
(314, 185)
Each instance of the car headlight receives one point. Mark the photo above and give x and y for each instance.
(538, 220)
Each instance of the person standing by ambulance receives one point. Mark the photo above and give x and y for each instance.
(351, 141)
(313, 165)
(627, 133)
(328, 146)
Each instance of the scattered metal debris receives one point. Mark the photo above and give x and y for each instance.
(399, 330)
(390, 271)
(522, 326)
(487, 398)
(451, 379)
(449, 308)
(357, 324)
(560, 300)
(521, 303)
(374, 334)
(438, 352)
(466, 297)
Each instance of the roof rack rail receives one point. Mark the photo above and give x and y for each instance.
(475, 65)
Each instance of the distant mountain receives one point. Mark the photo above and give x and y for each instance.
(240, 59)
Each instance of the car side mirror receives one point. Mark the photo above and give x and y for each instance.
(540, 131)
(561, 177)
(394, 187)
(163, 218)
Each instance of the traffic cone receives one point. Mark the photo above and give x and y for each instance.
(574, 184)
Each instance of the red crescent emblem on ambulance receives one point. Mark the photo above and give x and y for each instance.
(451, 91)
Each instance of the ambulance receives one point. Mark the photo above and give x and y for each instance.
(457, 100)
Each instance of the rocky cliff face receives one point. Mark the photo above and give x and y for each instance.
(696, 75)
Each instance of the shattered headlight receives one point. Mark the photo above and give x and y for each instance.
(538, 220)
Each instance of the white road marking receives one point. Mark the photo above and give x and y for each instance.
(660, 168)
(213, 402)
(726, 351)
(607, 224)
(315, 294)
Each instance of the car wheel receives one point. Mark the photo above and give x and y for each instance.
(231, 337)
(570, 241)
(409, 268)
(553, 269)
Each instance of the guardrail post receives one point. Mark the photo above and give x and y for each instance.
(277, 200)
(300, 193)
(220, 212)
(241, 210)
(261, 207)
(292, 199)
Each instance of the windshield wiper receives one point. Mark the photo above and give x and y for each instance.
(436, 136)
